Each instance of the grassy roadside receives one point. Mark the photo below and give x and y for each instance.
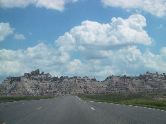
(18, 98)
(138, 100)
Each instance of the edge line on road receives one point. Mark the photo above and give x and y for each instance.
(130, 106)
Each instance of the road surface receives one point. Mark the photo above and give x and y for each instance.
(72, 110)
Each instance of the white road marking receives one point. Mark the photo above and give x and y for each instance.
(39, 108)
(131, 106)
(92, 108)
(78, 98)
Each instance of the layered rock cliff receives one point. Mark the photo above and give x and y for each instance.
(36, 83)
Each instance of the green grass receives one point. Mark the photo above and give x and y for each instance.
(136, 99)
(18, 98)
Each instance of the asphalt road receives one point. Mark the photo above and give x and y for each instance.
(72, 110)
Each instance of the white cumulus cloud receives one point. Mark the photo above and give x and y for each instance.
(48, 4)
(154, 7)
(118, 31)
(5, 30)
(89, 49)
(19, 36)
(163, 51)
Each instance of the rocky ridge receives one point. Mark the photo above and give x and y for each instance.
(36, 83)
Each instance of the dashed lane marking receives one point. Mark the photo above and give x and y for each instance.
(92, 108)
(39, 108)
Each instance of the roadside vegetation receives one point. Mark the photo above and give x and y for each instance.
(18, 98)
(150, 100)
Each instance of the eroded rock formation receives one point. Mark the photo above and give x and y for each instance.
(36, 83)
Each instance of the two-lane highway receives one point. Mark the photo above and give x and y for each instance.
(73, 110)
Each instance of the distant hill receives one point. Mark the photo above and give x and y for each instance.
(40, 83)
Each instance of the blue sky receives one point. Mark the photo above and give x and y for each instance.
(82, 37)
